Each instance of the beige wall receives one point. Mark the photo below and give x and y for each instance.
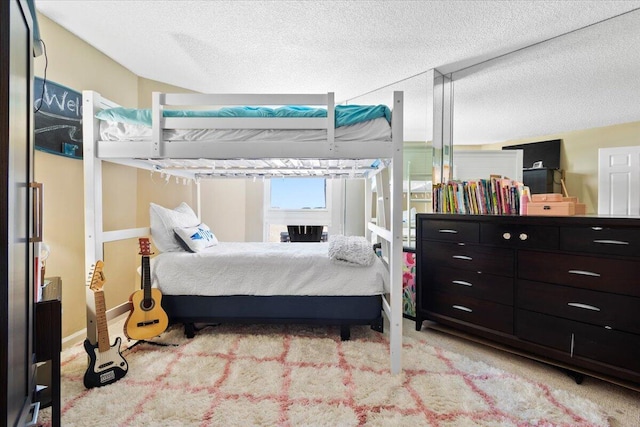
(78, 65)
(224, 207)
(73, 63)
(127, 191)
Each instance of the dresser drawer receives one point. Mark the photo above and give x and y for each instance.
(469, 257)
(520, 235)
(478, 312)
(600, 274)
(615, 348)
(472, 284)
(450, 231)
(601, 240)
(612, 311)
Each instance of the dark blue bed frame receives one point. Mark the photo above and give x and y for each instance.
(285, 309)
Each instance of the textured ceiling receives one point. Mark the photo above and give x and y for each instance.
(587, 77)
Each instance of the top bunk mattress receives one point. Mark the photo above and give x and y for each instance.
(352, 123)
(371, 130)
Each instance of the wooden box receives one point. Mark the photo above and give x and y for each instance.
(548, 197)
(551, 208)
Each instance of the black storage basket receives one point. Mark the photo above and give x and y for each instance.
(305, 233)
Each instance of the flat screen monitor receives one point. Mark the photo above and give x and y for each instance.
(546, 152)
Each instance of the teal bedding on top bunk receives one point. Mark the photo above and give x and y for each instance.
(345, 114)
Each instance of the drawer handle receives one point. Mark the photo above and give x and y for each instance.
(572, 343)
(611, 242)
(506, 236)
(523, 236)
(584, 306)
(597, 228)
(584, 273)
(461, 282)
(462, 308)
(446, 230)
(464, 257)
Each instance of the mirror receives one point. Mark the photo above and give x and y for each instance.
(557, 89)
(580, 80)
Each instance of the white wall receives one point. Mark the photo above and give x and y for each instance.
(474, 164)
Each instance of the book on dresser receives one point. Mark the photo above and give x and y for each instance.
(561, 289)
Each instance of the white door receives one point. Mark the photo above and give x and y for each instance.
(619, 181)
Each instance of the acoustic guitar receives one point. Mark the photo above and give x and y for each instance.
(146, 319)
(106, 364)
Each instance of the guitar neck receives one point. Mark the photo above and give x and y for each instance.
(146, 277)
(101, 322)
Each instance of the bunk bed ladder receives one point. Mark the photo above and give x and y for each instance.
(383, 212)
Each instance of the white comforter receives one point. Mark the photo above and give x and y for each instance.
(264, 269)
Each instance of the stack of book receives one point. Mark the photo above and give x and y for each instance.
(493, 196)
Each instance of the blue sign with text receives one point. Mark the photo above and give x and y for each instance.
(57, 119)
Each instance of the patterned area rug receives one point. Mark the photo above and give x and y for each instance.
(305, 376)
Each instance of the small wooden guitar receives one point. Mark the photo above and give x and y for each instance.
(146, 319)
(106, 364)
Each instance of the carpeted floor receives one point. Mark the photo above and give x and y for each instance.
(305, 376)
(621, 404)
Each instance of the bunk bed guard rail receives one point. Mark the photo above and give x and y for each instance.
(199, 101)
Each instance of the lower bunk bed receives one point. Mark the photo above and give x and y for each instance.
(323, 283)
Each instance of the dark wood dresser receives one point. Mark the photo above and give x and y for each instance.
(564, 290)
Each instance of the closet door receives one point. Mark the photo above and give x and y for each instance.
(619, 181)
(16, 253)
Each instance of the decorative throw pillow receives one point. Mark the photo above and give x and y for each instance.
(197, 238)
(164, 220)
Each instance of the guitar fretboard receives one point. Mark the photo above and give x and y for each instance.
(146, 278)
(101, 321)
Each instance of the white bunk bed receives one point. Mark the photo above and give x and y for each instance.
(265, 157)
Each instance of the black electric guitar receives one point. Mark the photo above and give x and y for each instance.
(146, 319)
(106, 364)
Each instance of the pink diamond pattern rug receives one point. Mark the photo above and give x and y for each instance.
(305, 376)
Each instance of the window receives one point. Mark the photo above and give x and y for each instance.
(298, 193)
(299, 201)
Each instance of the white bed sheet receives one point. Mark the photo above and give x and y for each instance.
(371, 130)
(257, 268)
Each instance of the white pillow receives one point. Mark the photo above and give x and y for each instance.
(196, 238)
(164, 220)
